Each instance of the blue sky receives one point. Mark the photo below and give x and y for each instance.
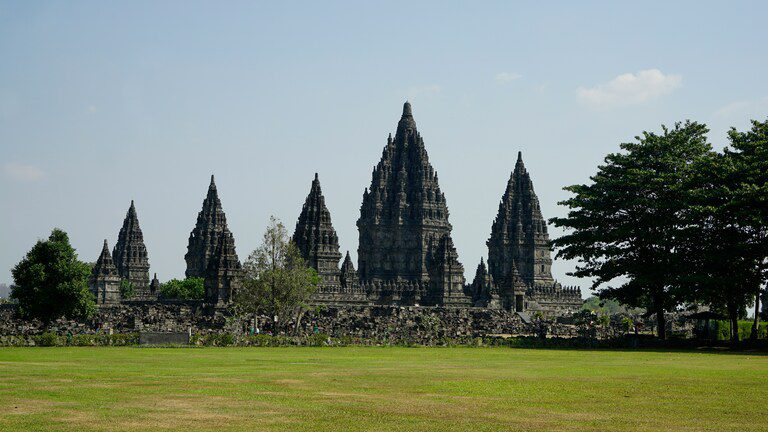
(101, 103)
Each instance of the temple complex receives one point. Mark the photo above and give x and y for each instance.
(406, 255)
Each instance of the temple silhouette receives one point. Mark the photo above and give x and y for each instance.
(406, 256)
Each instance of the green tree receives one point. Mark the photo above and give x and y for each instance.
(277, 282)
(187, 289)
(50, 282)
(608, 307)
(749, 153)
(126, 289)
(721, 265)
(624, 225)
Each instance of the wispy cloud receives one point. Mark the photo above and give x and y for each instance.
(507, 77)
(23, 173)
(630, 89)
(426, 90)
(757, 109)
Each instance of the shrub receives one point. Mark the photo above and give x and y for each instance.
(318, 339)
(721, 329)
(47, 339)
(126, 289)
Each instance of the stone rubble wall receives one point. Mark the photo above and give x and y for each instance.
(423, 325)
(371, 323)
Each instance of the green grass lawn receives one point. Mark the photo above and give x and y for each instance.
(381, 389)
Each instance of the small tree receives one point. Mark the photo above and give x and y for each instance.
(126, 289)
(187, 289)
(51, 282)
(277, 282)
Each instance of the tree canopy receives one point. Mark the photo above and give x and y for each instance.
(625, 224)
(186, 289)
(50, 282)
(674, 223)
(277, 282)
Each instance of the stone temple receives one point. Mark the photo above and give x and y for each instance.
(130, 255)
(406, 256)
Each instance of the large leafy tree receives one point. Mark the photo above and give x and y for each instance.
(50, 282)
(277, 282)
(749, 154)
(721, 265)
(623, 227)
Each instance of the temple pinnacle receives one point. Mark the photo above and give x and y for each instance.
(407, 109)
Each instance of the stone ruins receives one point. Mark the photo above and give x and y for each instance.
(406, 256)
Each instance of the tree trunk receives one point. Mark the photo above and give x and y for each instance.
(756, 322)
(299, 316)
(661, 322)
(734, 315)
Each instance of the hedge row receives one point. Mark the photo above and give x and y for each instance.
(721, 330)
(320, 339)
(49, 339)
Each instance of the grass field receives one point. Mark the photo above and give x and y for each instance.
(382, 389)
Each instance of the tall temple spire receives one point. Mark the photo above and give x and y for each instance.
(104, 264)
(224, 272)
(316, 238)
(130, 254)
(519, 243)
(485, 292)
(104, 282)
(404, 217)
(211, 222)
